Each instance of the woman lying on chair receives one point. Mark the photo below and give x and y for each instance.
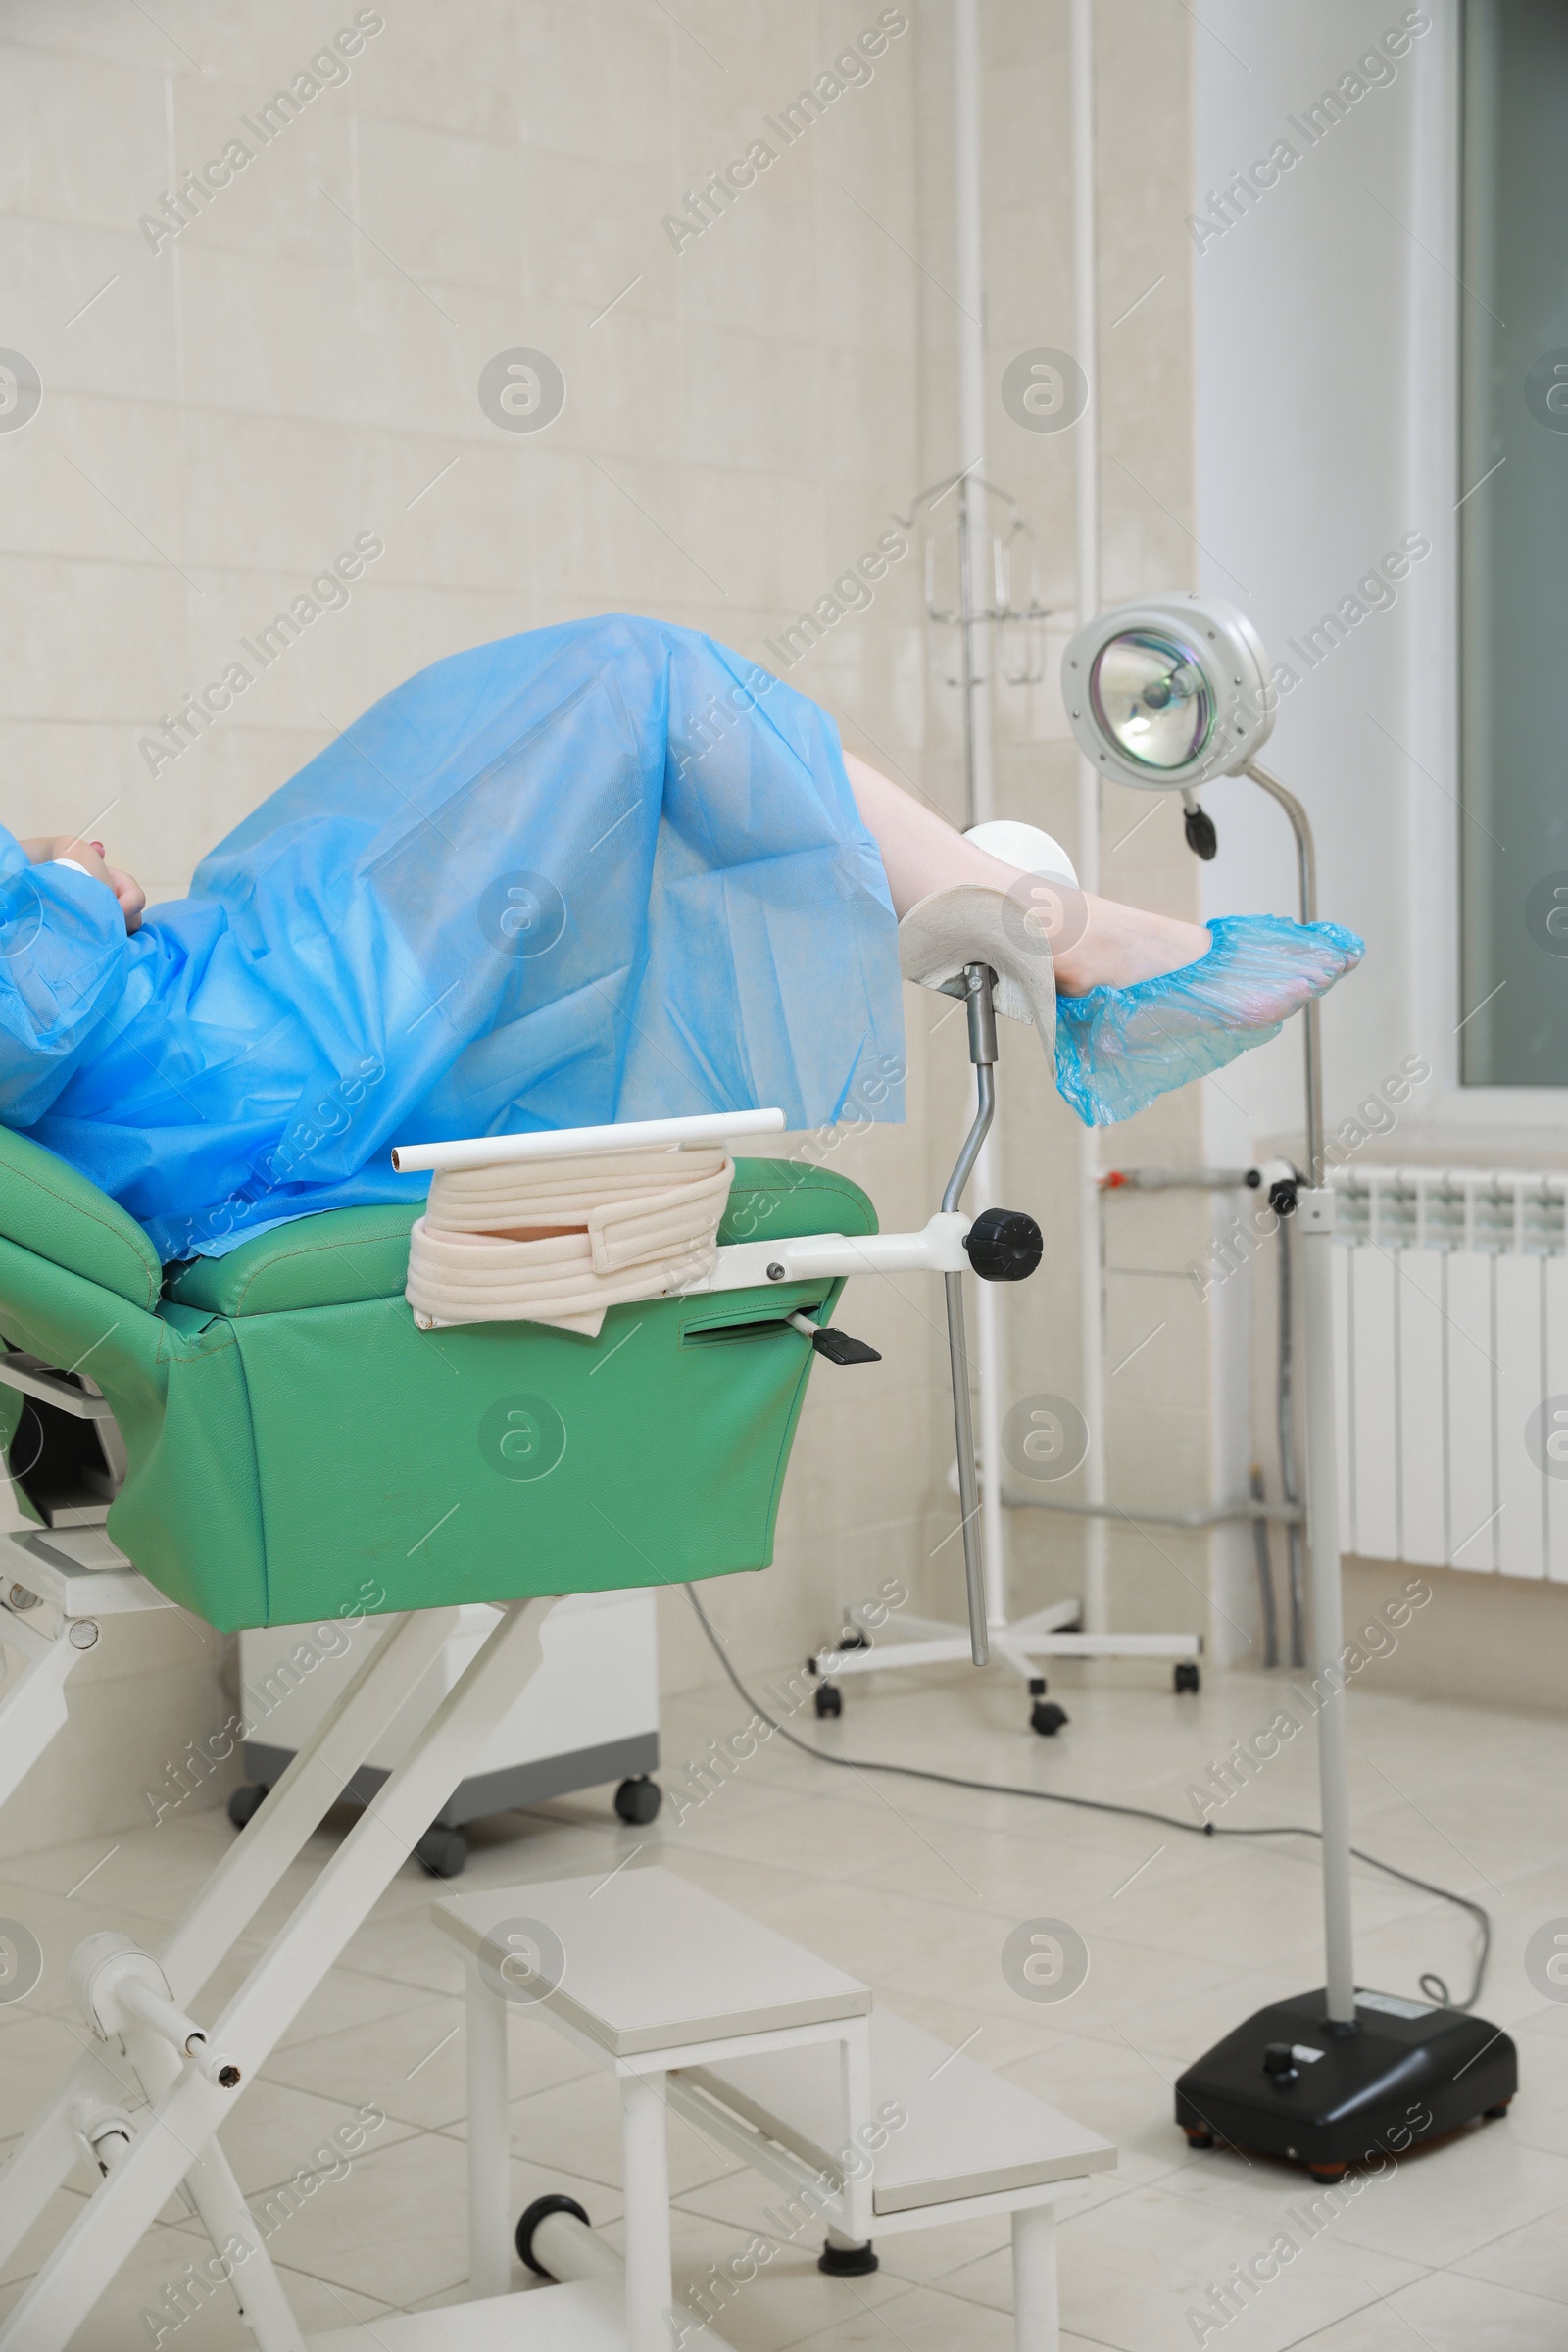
(604, 871)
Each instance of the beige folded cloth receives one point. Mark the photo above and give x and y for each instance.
(974, 925)
(638, 1224)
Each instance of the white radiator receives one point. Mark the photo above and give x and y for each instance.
(1451, 1339)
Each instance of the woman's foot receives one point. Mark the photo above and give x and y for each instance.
(1118, 1050)
(1107, 944)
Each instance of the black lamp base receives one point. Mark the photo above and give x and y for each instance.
(1288, 2083)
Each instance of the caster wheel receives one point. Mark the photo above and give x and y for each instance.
(853, 1639)
(1328, 2172)
(638, 1801)
(1199, 2140)
(1047, 1718)
(528, 2222)
(245, 1803)
(829, 1699)
(1501, 2108)
(1186, 1678)
(441, 1853)
(847, 2262)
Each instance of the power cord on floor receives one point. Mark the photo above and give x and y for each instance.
(1432, 1984)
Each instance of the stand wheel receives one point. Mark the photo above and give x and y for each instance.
(1185, 1677)
(1047, 1718)
(1328, 2172)
(245, 1803)
(1501, 2108)
(829, 1699)
(638, 1800)
(539, 2211)
(1196, 2139)
(441, 1852)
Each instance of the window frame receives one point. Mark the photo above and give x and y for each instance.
(1435, 645)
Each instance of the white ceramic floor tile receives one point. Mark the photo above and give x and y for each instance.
(1438, 2204)
(281, 2133)
(162, 2266)
(1539, 2116)
(410, 2064)
(578, 2124)
(344, 2002)
(922, 2320)
(395, 2227)
(1534, 2259)
(406, 1949)
(1134, 2271)
(1447, 2313)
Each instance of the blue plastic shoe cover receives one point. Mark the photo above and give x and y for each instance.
(1118, 1049)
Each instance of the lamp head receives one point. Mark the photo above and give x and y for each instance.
(1169, 692)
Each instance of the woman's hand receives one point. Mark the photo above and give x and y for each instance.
(44, 849)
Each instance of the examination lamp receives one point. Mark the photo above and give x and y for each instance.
(1167, 695)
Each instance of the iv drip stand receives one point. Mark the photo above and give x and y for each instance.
(1041, 1633)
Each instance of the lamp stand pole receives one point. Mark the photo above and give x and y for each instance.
(1320, 2078)
(1314, 1211)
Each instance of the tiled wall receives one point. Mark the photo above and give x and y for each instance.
(228, 408)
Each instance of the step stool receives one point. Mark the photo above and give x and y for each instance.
(769, 2050)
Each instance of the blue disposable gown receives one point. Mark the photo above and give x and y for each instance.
(602, 871)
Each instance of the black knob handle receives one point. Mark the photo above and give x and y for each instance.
(1004, 1244)
(1279, 2059)
(1202, 838)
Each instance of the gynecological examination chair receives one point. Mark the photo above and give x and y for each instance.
(291, 1446)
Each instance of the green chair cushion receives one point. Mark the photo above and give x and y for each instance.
(774, 1200)
(47, 1207)
(331, 1260)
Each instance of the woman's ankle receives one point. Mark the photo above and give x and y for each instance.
(1119, 946)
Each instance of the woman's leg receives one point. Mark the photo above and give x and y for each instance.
(921, 853)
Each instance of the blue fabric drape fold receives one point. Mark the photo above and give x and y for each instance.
(604, 871)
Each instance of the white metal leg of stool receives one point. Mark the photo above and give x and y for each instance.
(645, 2185)
(1034, 2279)
(854, 2078)
(489, 2142)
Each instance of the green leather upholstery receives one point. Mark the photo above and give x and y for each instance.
(51, 1210)
(328, 1260)
(299, 1449)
